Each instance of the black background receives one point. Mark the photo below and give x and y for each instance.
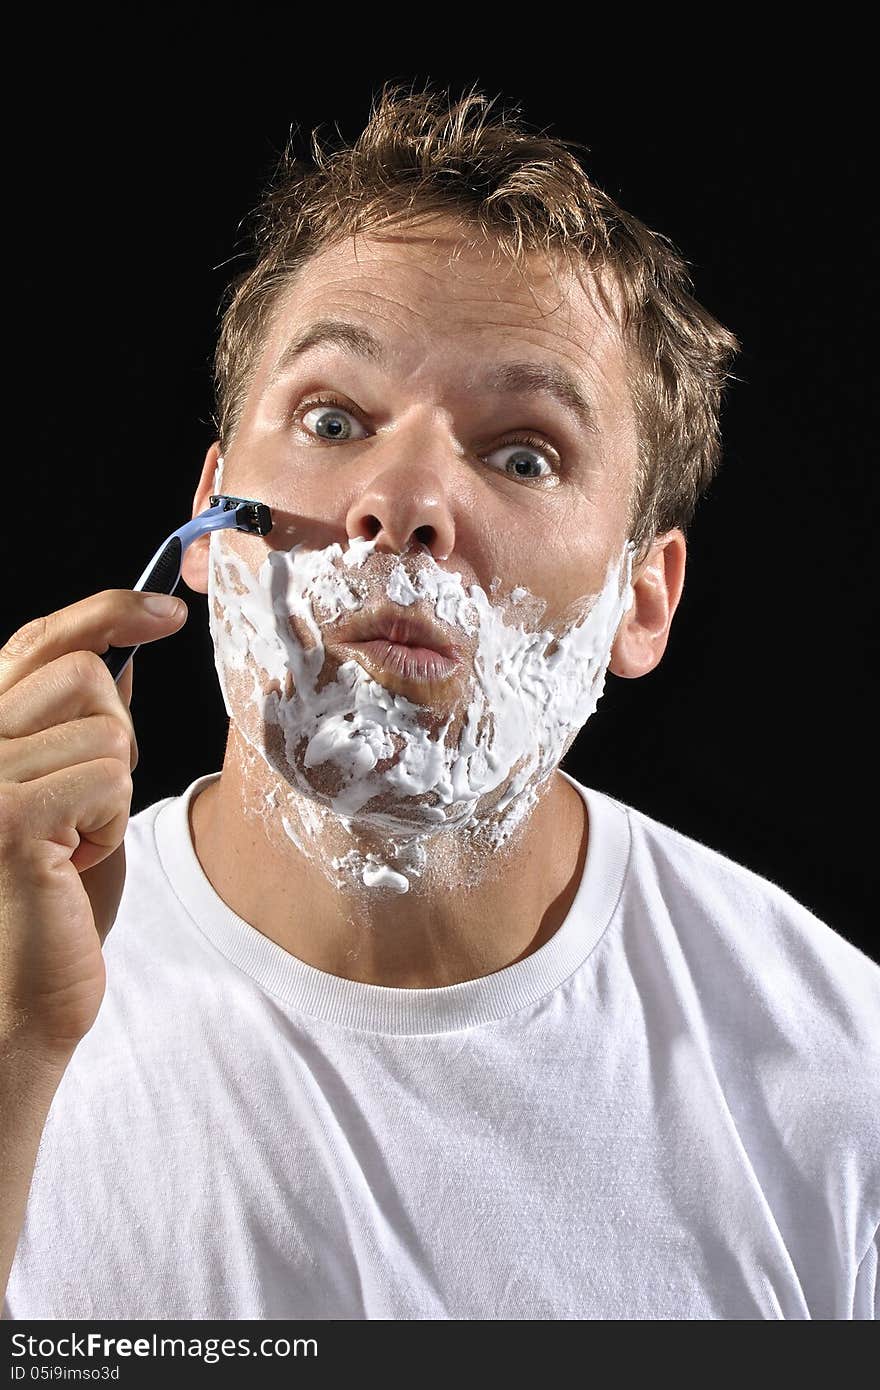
(129, 184)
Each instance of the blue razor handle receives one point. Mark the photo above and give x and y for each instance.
(162, 574)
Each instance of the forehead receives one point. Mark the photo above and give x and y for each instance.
(442, 286)
(439, 261)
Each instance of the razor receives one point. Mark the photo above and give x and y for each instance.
(162, 574)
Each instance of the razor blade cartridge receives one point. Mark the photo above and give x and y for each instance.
(254, 517)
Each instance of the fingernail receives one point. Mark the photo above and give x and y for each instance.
(164, 606)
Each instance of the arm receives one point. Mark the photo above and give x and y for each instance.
(27, 1089)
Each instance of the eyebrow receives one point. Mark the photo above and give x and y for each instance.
(520, 378)
(358, 341)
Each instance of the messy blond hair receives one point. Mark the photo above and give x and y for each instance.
(421, 154)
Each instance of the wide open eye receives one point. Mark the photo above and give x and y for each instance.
(531, 459)
(331, 421)
(524, 457)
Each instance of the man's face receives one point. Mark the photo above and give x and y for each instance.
(426, 442)
(417, 431)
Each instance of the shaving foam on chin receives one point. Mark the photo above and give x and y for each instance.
(369, 756)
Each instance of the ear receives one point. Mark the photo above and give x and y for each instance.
(195, 562)
(644, 631)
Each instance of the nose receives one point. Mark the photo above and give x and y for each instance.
(404, 503)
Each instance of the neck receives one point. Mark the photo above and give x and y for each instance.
(329, 891)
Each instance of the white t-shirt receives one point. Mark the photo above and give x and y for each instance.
(671, 1110)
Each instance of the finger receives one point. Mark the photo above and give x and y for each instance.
(79, 813)
(65, 745)
(114, 618)
(73, 686)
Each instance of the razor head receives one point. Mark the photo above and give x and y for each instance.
(250, 516)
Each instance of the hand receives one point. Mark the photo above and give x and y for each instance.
(67, 752)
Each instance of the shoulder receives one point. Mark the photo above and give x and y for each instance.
(701, 883)
(752, 954)
(760, 962)
(787, 1007)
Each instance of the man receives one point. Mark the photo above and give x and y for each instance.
(401, 1021)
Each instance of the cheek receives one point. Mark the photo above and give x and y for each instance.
(564, 573)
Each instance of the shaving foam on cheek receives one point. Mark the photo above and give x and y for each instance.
(353, 749)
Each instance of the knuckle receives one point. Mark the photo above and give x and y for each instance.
(126, 775)
(116, 737)
(26, 639)
(119, 777)
(89, 670)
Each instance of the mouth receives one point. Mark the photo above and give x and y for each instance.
(408, 647)
(397, 658)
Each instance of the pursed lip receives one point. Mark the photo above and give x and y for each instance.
(389, 624)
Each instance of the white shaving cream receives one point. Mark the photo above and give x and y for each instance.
(341, 745)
